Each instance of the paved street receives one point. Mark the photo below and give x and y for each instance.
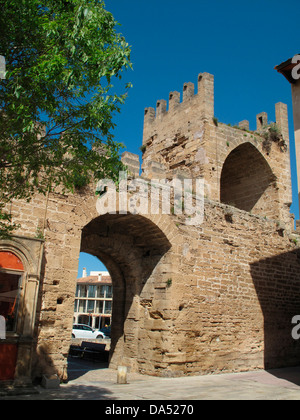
(94, 381)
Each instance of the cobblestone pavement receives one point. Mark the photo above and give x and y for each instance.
(94, 381)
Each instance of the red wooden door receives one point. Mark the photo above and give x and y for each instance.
(8, 361)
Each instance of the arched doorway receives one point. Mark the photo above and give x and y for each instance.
(248, 183)
(11, 274)
(130, 246)
(20, 270)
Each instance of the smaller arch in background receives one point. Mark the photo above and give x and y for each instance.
(248, 183)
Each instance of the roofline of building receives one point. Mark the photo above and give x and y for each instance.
(286, 68)
(94, 280)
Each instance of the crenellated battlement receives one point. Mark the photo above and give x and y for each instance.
(183, 139)
(203, 100)
(188, 106)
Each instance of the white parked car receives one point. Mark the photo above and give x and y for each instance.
(84, 331)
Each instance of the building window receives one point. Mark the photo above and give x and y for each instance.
(92, 291)
(101, 291)
(90, 305)
(109, 292)
(99, 306)
(9, 298)
(82, 305)
(11, 272)
(76, 305)
(82, 291)
(107, 307)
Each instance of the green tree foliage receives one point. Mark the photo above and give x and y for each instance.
(57, 101)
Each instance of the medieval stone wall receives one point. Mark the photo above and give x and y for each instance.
(188, 299)
(234, 290)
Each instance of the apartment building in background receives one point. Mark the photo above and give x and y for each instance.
(93, 301)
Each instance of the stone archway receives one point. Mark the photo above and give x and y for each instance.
(131, 247)
(248, 183)
(21, 258)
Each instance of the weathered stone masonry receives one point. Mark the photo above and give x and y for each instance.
(187, 299)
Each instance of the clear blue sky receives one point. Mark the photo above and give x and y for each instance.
(240, 42)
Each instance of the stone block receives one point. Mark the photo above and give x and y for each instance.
(50, 382)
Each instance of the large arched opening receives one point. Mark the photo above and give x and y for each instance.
(130, 246)
(248, 183)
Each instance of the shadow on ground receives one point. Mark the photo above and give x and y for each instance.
(78, 367)
(291, 374)
(78, 392)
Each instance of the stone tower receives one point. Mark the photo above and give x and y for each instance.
(246, 169)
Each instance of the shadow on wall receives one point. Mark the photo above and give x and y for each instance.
(277, 283)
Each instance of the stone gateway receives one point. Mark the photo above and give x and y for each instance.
(189, 299)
